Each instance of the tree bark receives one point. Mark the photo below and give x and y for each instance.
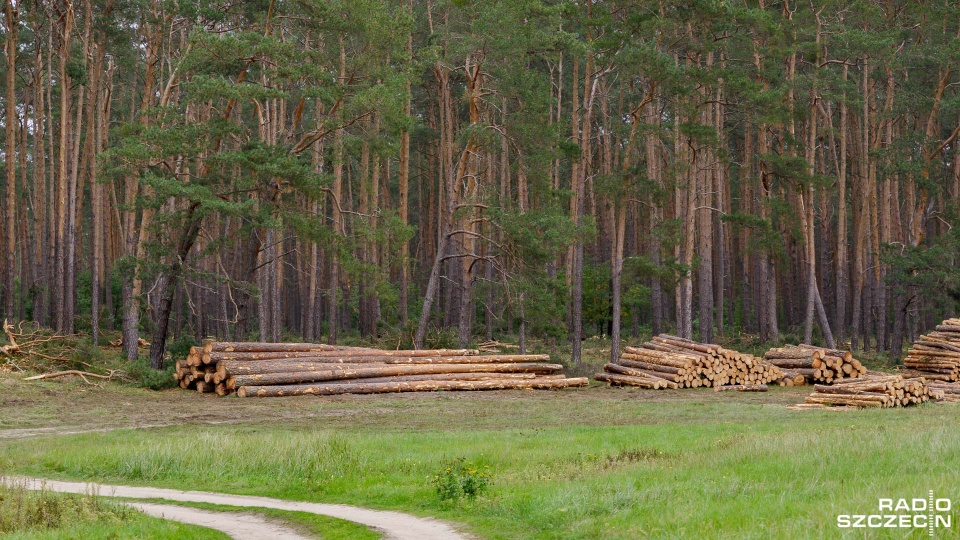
(12, 18)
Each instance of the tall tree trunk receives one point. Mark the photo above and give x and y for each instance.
(720, 179)
(404, 184)
(62, 236)
(337, 214)
(12, 18)
(95, 122)
(842, 240)
(653, 172)
(590, 83)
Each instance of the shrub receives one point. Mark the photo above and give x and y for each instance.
(146, 377)
(461, 479)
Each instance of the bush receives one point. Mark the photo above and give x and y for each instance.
(146, 377)
(461, 479)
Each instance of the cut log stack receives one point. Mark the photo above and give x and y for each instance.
(289, 369)
(945, 391)
(671, 362)
(936, 356)
(873, 390)
(815, 364)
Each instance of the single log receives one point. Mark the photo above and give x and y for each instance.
(948, 328)
(741, 388)
(450, 377)
(627, 380)
(252, 347)
(339, 358)
(933, 376)
(873, 379)
(933, 342)
(842, 400)
(787, 354)
(229, 346)
(846, 355)
(418, 386)
(337, 373)
(684, 344)
(661, 375)
(254, 367)
(807, 362)
(653, 367)
(846, 390)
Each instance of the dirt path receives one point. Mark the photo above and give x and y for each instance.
(26, 433)
(393, 525)
(238, 526)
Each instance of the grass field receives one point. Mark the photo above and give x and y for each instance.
(579, 464)
(596, 463)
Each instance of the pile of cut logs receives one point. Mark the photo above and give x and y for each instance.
(873, 390)
(950, 390)
(816, 364)
(936, 356)
(671, 362)
(289, 369)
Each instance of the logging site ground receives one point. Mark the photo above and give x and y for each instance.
(597, 462)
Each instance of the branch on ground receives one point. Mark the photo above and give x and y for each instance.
(82, 374)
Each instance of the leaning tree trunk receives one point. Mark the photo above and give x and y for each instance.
(433, 285)
(174, 271)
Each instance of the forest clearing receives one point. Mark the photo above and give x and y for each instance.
(605, 462)
(528, 268)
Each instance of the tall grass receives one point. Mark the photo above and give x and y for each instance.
(43, 515)
(25, 510)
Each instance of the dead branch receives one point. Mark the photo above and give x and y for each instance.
(13, 348)
(82, 374)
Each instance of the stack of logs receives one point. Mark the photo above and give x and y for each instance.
(289, 369)
(873, 390)
(671, 362)
(936, 356)
(806, 362)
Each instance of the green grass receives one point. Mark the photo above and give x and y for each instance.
(600, 463)
(42, 515)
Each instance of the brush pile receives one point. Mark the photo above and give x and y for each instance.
(671, 362)
(289, 369)
(936, 356)
(815, 364)
(873, 390)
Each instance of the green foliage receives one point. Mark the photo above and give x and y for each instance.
(144, 376)
(461, 479)
(596, 296)
(180, 348)
(931, 266)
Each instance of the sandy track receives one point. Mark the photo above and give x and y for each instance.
(393, 525)
(238, 526)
